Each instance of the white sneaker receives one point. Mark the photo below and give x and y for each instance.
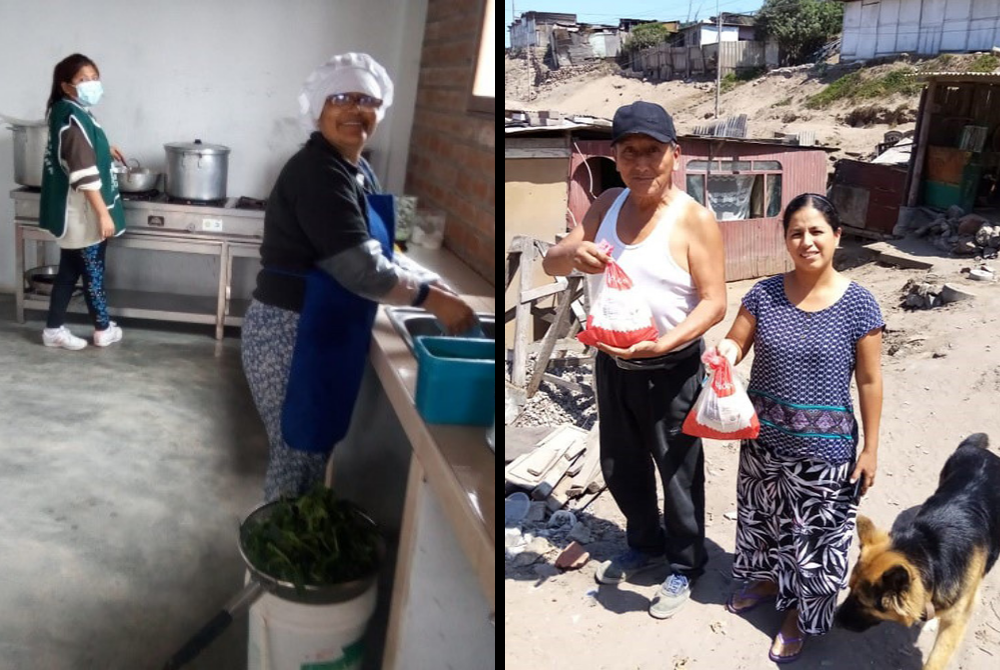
(61, 337)
(109, 335)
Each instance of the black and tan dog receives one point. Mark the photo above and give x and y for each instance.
(932, 567)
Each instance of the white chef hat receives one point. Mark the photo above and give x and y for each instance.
(346, 73)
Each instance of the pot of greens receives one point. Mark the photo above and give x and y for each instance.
(316, 549)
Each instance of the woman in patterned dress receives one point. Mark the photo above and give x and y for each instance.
(799, 482)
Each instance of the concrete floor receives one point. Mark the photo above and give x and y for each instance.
(123, 474)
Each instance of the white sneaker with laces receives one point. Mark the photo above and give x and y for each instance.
(109, 335)
(61, 337)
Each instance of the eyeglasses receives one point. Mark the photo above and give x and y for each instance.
(359, 99)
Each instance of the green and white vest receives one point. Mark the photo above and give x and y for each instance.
(55, 179)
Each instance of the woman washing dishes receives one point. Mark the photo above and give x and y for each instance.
(327, 264)
(799, 482)
(80, 204)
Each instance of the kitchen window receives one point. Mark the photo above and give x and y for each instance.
(736, 190)
(483, 96)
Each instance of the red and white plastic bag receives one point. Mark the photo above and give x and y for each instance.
(723, 410)
(619, 316)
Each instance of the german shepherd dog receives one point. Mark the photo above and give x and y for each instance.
(932, 566)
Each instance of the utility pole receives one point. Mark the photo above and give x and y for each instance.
(718, 56)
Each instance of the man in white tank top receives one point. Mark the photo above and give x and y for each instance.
(671, 247)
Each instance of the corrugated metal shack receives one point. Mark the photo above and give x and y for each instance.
(746, 182)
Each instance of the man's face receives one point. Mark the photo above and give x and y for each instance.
(646, 165)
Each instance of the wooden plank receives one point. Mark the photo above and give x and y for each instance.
(562, 345)
(522, 321)
(865, 233)
(559, 496)
(923, 132)
(552, 478)
(891, 256)
(555, 330)
(544, 291)
(518, 154)
(566, 384)
(591, 467)
(535, 143)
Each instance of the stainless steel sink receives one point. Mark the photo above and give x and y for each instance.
(412, 322)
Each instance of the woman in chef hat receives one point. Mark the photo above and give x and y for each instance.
(327, 262)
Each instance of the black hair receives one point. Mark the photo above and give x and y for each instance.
(64, 72)
(818, 202)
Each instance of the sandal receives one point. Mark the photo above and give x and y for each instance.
(744, 594)
(784, 642)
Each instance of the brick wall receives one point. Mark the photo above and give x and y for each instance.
(452, 164)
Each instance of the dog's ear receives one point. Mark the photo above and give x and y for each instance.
(896, 579)
(895, 587)
(868, 533)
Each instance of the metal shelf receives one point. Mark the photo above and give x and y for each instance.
(142, 305)
(219, 310)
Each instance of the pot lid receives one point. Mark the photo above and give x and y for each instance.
(197, 147)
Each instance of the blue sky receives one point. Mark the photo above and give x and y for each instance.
(605, 11)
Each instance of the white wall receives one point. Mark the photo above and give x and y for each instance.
(709, 34)
(224, 71)
(926, 27)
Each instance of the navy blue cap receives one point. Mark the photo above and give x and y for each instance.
(643, 118)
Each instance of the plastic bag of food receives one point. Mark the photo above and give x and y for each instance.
(619, 316)
(723, 410)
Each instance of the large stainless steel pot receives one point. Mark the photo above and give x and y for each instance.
(30, 138)
(197, 171)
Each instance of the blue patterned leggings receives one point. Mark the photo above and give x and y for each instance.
(73, 264)
(268, 341)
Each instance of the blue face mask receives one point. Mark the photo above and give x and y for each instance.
(89, 92)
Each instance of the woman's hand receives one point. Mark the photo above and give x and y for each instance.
(587, 258)
(117, 154)
(107, 225)
(729, 350)
(454, 313)
(865, 469)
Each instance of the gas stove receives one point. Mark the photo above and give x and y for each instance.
(218, 218)
(155, 211)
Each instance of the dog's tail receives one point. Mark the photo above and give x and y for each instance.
(980, 440)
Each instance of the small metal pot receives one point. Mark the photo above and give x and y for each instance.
(42, 280)
(197, 171)
(136, 179)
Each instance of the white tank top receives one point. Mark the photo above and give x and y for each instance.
(667, 287)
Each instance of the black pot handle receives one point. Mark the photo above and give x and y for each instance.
(211, 630)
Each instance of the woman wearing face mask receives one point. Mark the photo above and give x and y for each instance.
(80, 204)
(812, 329)
(326, 263)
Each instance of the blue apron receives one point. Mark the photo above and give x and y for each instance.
(331, 349)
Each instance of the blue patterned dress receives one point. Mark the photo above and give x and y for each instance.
(796, 504)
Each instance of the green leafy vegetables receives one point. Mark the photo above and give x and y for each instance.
(315, 540)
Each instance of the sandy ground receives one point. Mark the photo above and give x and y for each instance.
(941, 384)
(773, 103)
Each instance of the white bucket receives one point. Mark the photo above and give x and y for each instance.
(293, 636)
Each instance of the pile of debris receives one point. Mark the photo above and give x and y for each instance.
(962, 234)
(930, 291)
(552, 485)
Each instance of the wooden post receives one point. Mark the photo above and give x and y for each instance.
(553, 334)
(920, 155)
(522, 317)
